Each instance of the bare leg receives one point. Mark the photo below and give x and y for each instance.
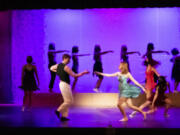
(24, 100)
(98, 83)
(120, 102)
(74, 83)
(168, 104)
(129, 103)
(176, 83)
(145, 104)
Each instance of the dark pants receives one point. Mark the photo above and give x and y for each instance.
(53, 76)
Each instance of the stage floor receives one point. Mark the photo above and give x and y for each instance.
(82, 117)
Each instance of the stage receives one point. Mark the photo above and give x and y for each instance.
(85, 120)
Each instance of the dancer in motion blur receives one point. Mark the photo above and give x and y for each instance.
(52, 61)
(127, 91)
(75, 65)
(176, 68)
(63, 71)
(125, 53)
(159, 98)
(98, 65)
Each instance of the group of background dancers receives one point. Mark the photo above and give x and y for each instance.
(127, 91)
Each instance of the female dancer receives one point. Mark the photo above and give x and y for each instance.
(124, 55)
(160, 98)
(98, 65)
(51, 58)
(150, 84)
(28, 82)
(127, 91)
(75, 66)
(176, 68)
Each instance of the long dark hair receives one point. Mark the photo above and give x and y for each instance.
(162, 83)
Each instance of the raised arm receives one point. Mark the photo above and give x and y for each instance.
(59, 51)
(82, 54)
(105, 52)
(54, 68)
(108, 75)
(160, 52)
(135, 82)
(133, 53)
(71, 73)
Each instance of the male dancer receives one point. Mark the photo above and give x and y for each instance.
(63, 71)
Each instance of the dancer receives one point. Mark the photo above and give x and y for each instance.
(98, 65)
(75, 66)
(148, 55)
(124, 55)
(176, 68)
(127, 91)
(28, 82)
(63, 71)
(150, 83)
(160, 98)
(51, 58)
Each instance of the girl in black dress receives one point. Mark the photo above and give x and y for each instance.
(52, 61)
(75, 65)
(98, 65)
(176, 68)
(29, 82)
(124, 55)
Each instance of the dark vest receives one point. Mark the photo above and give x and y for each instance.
(64, 76)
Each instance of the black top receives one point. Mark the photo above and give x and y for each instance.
(29, 82)
(124, 57)
(63, 75)
(51, 59)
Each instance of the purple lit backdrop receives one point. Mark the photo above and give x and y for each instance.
(33, 30)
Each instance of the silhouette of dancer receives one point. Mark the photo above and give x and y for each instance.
(52, 61)
(63, 71)
(176, 68)
(75, 65)
(28, 82)
(127, 91)
(98, 65)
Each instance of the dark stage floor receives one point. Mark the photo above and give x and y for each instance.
(105, 119)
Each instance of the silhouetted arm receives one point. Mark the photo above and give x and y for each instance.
(127, 53)
(160, 52)
(59, 51)
(105, 52)
(82, 54)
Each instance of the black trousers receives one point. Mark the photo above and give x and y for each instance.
(53, 76)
